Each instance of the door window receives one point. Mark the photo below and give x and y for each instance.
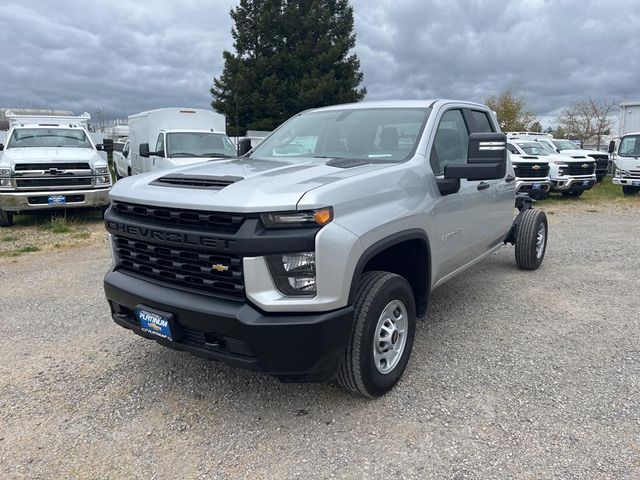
(125, 150)
(512, 149)
(481, 119)
(160, 143)
(451, 143)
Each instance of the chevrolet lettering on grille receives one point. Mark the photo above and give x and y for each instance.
(169, 237)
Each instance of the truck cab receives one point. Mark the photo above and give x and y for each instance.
(627, 163)
(310, 257)
(171, 137)
(51, 163)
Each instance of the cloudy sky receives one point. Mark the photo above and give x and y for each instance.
(127, 56)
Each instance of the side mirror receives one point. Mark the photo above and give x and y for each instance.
(557, 150)
(125, 154)
(244, 146)
(105, 146)
(1, 146)
(612, 146)
(486, 160)
(144, 150)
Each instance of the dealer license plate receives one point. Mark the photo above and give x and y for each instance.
(636, 183)
(57, 200)
(586, 182)
(154, 322)
(536, 186)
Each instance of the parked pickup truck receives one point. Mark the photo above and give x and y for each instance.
(315, 266)
(570, 175)
(51, 163)
(531, 166)
(571, 150)
(627, 162)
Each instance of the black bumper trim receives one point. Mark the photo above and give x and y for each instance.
(292, 346)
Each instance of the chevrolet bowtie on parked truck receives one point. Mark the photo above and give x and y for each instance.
(51, 163)
(311, 256)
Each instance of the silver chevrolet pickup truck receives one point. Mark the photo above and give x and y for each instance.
(311, 256)
(50, 163)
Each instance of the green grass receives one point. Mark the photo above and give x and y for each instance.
(19, 251)
(57, 225)
(603, 192)
(9, 238)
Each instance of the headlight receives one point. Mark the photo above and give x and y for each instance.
(101, 170)
(307, 218)
(103, 180)
(622, 173)
(5, 172)
(294, 274)
(5, 182)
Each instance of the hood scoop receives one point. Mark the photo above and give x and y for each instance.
(203, 182)
(347, 162)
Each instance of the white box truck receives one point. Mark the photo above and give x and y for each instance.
(171, 137)
(625, 149)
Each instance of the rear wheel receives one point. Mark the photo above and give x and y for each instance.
(6, 218)
(629, 190)
(531, 239)
(382, 337)
(573, 193)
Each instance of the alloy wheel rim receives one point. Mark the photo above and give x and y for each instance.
(540, 240)
(390, 336)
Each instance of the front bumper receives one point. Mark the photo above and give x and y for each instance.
(572, 183)
(20, 201)
(526, 185)
(628, 181)
(291, 346)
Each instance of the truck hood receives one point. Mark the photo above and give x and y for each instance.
(12, 156)
(258, 185)
(577, 152)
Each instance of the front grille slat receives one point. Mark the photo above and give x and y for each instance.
(21, 167)
(55, 182)
(215, 222)
(182, 267)
(578, 169)
(529, 170)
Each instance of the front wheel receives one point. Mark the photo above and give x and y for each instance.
(531, 239)
(382, 337)
(6, 218)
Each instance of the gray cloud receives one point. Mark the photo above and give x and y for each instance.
(124, 57)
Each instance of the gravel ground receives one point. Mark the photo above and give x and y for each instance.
(513, 375)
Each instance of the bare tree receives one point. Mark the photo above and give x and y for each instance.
(586, 119)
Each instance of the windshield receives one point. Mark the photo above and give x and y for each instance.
(199, 144)
(373, 134)
(630, 146)
(565, 145)
(533, 148)
(48, 137)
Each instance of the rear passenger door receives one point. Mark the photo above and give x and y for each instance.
(460, 216)
(499, 217)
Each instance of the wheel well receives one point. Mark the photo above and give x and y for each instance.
(409, 259)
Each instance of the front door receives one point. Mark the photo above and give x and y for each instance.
(155, 160)
(461, 217)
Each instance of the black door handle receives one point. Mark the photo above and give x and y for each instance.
(483, 186)
(509, 179)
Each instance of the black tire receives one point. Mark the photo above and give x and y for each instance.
(527, 256)
(573, 193)
(358, 372)
(6, 218)
(629, 190)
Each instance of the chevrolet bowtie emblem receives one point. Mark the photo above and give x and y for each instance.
(585, 165)
(535, 167)
(218, 267)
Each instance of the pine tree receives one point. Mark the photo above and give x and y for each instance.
(289, 56)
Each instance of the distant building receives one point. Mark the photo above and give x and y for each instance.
(4, 123)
